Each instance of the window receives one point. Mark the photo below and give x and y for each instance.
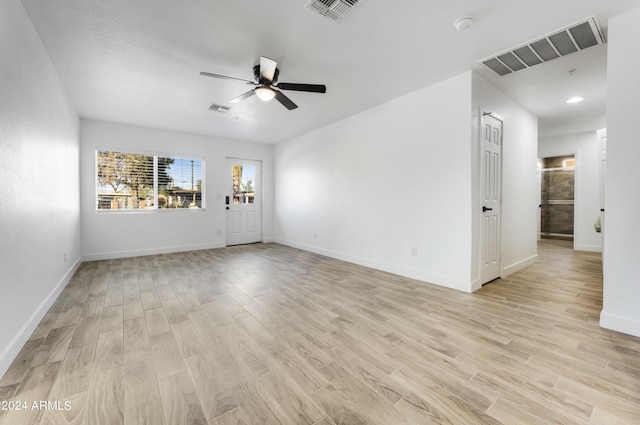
(134, 181)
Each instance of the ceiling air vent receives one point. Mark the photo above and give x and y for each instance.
(332, 9)
(218, 108)
(563, 42)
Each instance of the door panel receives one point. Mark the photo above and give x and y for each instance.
(491, 175)
(251, 221)
(236, 220)
(244, 204)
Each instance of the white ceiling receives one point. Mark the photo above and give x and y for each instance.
(138, 61)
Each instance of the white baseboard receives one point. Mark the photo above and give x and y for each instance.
(432, 278)
(616, 323)
(475, 285)
(589, 248)
(154, 251)
(506, 271)
(10, 352)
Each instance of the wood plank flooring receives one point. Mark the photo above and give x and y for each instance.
(269, 335)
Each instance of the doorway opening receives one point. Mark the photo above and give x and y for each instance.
(557, 197)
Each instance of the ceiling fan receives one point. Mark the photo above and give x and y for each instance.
(266, 76)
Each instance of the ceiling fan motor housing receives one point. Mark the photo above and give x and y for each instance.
(260, 80)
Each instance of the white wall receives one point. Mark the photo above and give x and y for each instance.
(404, 175)
(375, 185)
(560, 126)
(124, 234)
(519, 178)
(39, 188)
(621, 306)
(586, 148)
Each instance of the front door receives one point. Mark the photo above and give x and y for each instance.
(243, 201)
(491, 180)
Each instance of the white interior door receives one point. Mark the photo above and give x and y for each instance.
(491, 181)
(244, 201)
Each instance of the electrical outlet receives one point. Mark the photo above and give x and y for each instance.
(65, 257)
(414, 251)
(315, 236)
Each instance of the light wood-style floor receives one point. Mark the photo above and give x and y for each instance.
(264, 334)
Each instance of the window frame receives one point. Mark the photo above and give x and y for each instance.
(155, 155)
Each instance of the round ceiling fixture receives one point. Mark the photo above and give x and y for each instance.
(463, 23)
(575, 99)
(265, 93)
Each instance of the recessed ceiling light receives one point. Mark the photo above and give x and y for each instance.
(575, 99)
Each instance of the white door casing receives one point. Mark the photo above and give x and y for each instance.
(603, 180)
(539, 180)
(243, 202)
(491, 197)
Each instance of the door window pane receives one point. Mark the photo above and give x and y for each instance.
(243, 184)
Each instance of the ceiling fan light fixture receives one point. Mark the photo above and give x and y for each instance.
(266, 76)
(265, 93)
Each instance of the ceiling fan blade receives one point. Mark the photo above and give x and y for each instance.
(267, 68)
(314, 88)
(243, 96)
(280, 97)
(225, 77)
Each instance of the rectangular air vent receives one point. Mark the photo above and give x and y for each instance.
(332, 9)
(218, 108)
(563, 42)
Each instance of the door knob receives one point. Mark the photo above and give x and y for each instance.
(485, 209)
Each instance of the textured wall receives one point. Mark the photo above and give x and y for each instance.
(39, 182)
(371, 188)
(622, 201)
(125, 234)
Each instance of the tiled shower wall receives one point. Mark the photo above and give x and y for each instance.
(557, 197)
